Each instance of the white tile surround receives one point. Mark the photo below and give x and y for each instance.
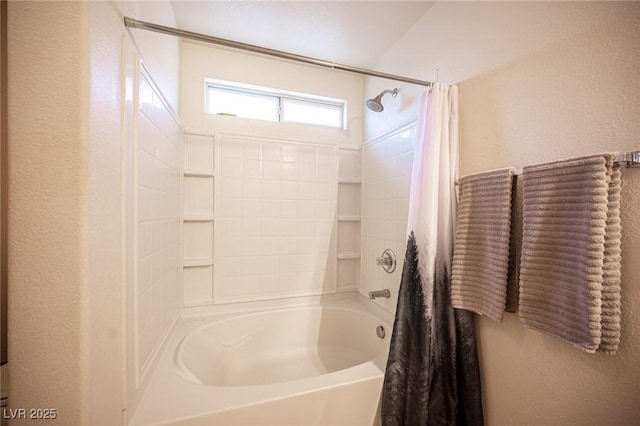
(276, 207)
(293, 218)
(229, 218)
(286, 223)
(386, 180)
(159, 211)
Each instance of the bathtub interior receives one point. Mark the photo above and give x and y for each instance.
(336, 390)
(275, 347)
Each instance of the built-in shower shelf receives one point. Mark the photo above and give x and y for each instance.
(347, 256)
(349, 180)
(199, 218)
(349, 218)
(196, 303)
(199, 173)
(348, 288)
(195, 263)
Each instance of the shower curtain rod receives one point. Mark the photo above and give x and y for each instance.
(134, 23)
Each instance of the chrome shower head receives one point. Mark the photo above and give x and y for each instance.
(375, 104)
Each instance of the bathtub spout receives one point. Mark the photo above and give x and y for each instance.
(379, 293)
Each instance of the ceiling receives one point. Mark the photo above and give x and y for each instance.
(355, 33)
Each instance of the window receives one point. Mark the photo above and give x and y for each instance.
(247, 104)
(226, 98)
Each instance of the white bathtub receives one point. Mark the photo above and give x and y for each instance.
(319, 364)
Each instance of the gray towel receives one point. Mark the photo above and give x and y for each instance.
(570, 268)
(515, 246)
(610, 320)
(481, 248)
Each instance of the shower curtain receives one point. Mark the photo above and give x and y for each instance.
(432, 375)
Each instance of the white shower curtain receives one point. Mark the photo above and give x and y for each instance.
(432, 374)
(432, 202)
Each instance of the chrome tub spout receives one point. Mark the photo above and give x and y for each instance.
(379, 293)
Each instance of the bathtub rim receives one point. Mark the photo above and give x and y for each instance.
(170, 397)
(288, 303)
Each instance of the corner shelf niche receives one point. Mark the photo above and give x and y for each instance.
(348, 219)
(198, 173)
(198, 218)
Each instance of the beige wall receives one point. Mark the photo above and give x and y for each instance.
(538, 82)
(47, 347)
(67, 206)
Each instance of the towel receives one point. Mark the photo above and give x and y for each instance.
(515, 246)
(611, 277)
(570, 268)
(481, 248)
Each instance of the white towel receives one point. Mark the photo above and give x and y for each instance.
(481, 249)
(570, 268)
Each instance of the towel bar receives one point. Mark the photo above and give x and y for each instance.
(630, 158)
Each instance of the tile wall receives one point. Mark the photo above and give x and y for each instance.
(276, 208)
(386, 180)
(286, 223)
(159, 214)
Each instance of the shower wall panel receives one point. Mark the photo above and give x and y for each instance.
(275, 218)
(159, 213)
(386, 182)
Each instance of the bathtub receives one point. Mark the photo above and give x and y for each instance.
(315, 362)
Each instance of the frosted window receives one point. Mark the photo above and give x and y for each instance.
(302, 111)
(242, 104)
(227, 98)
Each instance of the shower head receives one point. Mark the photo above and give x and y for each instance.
(375, 104)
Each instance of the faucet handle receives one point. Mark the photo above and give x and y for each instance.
(383, 261)
(387, 261)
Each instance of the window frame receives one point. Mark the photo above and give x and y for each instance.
(282, 97)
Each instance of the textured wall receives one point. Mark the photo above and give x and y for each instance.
(47, 347)
(102, 220)
(67, 206)
(538, 82)
(48, 172)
